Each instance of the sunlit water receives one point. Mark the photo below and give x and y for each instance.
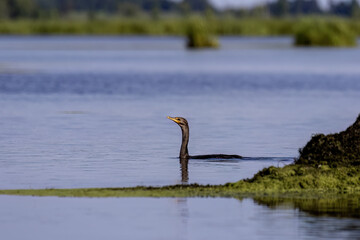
(91, 112)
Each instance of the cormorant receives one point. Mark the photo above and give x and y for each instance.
(184, 153)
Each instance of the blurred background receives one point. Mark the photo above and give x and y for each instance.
(167, 17)
(92, 9)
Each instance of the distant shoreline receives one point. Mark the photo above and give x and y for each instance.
(174, 26)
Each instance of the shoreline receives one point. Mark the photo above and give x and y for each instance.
(295, 181)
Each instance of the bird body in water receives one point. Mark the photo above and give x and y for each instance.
(184, 153)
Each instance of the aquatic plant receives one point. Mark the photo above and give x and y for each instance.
(198, 35)
(334, 150)
(324, 33)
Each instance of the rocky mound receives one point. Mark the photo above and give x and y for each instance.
(340, 149)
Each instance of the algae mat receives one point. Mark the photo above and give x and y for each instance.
(292, 179)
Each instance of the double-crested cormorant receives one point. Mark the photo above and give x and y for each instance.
(184, 153)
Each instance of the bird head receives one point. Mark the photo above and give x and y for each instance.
(180, 121)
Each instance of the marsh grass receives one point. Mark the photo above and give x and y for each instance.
(176, 26)
(199, 35)
(330, 33)
(118, 26)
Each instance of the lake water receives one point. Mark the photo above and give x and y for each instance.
(91, 112)
(164, 218)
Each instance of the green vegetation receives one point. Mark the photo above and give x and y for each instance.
(146, 26)
(293, 179)
(167, 17)
(317, 32)
(199, 35)
(34, 9)
(167, 26)
(300, 178)
(124, 26)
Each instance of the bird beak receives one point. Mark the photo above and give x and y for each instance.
(174, 119)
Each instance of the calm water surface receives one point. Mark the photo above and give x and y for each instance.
(91, 112)
(165, 218)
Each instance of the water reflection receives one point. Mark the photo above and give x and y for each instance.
(325, 217)
(248, 163)
(182, 208)
(335, 206)
(184, 170)
(182, 215)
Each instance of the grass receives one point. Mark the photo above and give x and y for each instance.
(199, 30)
(199, 35)
(95, 27)
(317, 32)
(176, 26)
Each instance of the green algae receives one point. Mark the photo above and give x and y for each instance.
(193, 190)
(292, 179)
(299, 178)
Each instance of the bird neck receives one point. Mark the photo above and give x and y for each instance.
(184, 153)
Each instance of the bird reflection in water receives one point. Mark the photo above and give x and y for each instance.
(184, 162)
